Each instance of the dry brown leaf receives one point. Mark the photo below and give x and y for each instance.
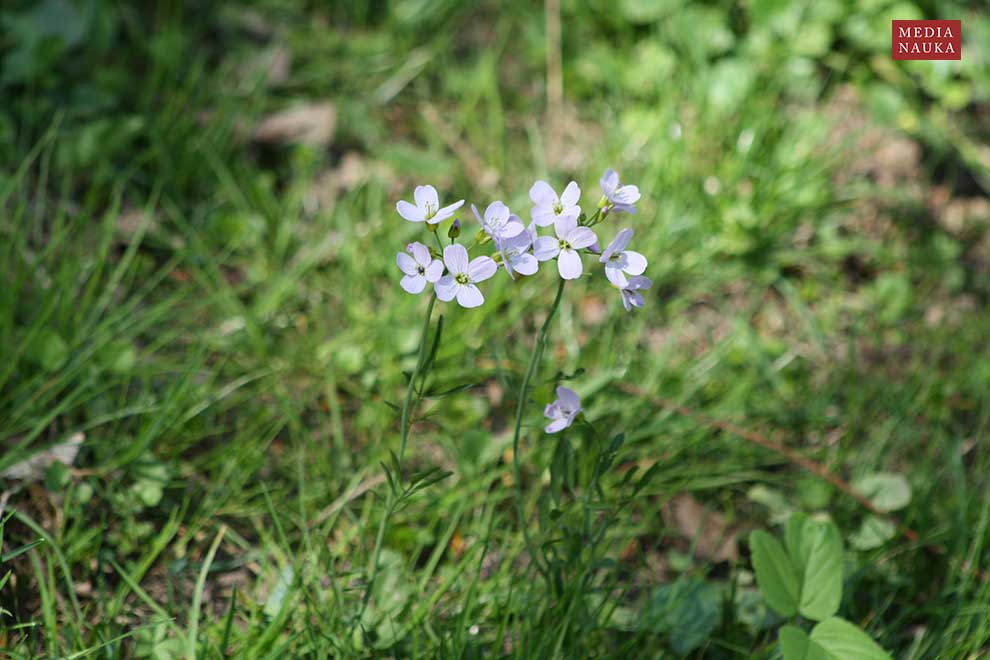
(707, 530)
(33, 468)
(306, 123)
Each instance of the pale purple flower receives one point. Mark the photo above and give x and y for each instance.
(419, 268)
(631, 297)
(570, 238)
(620, 197)
(562, 412)
(427, 207)
(499, 222)
(516, 255)
(620, 262)
(460, 280)
(547, 206)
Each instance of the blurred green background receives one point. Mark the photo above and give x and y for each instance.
(201, 328)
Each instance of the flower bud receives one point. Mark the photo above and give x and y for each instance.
(455, 230)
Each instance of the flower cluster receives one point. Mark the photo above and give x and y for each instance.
(518, 247)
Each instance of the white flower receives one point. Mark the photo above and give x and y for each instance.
(547, 207)
(562, 411)
(516, 255)
(570, 238)
(499, 223)
(631, 297)
(420, 268)
(620, 197)
(427, 207)
(620, 262)
(460, 281)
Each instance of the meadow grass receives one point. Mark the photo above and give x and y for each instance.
(220, 316)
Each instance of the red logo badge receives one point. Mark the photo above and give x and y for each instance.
(926, 40)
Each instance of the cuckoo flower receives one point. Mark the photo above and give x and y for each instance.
(499, 222)
(419, 268)
(631, 297)
(620, 262)
(516, 255)
(547, 206)
(562, 412)
(617, 197)
(427, 207)
(570, 238)
(462, 276)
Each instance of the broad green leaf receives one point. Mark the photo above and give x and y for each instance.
(872, 533)
(887, 491)
(843, 641)
(775, 573)
(687, 609)
(816, 550)
(796, 645)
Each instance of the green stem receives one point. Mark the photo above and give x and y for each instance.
(392, 498)
(406, 405)
(534, 360)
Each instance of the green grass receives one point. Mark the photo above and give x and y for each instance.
(222, 319)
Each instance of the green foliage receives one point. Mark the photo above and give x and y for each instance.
(806, 578)
(216, 315)
(779, 581)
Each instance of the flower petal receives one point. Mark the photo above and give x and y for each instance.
(609, 181)
(543, 215)
(569, 264)
(542, 194)
(525, 264)
(410, 212)
(420, 253)
(446, 288)
(626, 195)
(456, 258)
(513, 226)
(546, 248)
(445, 213)
(557, 425)
(469, 296)
(614, 274)
(426, 195)
(571, 212)
(618, 244)
(569, 399)
(571, 194)
(564, 225)
(581, 237)
(640, 282)
(413, 283)
(481, 268)
(496, 214)
(632, 299)
(406, 263)
(518, 243)
(434, 271)
(635, 263)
